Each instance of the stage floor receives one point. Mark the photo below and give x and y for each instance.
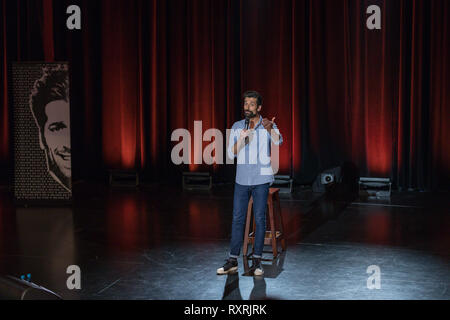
(158, 242)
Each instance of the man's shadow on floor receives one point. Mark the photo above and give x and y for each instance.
(232, 291)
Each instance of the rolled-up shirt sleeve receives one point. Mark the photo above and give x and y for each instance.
(280, 141)
(234, 134)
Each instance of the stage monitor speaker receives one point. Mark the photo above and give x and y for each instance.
(12, 288)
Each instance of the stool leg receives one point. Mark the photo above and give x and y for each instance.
(254, 233)
(247, 226)
(283, 240)
(272, 228)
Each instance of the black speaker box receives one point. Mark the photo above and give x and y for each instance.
(345, 181)
(318, 186)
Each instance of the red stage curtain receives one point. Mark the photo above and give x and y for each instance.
(339, 92)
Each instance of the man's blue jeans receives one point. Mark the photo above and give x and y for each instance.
(240, 204)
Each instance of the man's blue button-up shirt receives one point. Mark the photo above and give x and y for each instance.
(253, 160)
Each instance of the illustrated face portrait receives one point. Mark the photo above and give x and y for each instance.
(57, 135)
(50, 106)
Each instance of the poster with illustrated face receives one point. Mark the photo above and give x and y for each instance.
(42, 152)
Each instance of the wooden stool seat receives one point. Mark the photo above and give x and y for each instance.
(273, 236)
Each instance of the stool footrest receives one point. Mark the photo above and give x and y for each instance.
(267, 237)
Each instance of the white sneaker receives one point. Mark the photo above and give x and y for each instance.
(259, 271)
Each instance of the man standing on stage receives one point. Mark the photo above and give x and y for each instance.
(249, 141)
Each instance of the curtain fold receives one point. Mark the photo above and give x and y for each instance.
(340, 92)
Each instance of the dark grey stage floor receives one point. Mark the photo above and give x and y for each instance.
(162, 243)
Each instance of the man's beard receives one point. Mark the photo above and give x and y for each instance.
(249, 114)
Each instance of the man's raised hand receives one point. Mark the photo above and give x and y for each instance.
(268, 125)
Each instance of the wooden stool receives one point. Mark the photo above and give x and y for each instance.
(273, 236)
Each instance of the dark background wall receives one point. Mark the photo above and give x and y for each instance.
(339, 92)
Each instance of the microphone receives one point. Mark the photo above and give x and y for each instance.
(247, 122)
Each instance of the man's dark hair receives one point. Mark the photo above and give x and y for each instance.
(53, 85)
(252, 94)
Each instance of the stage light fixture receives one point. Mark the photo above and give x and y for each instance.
(284, 183)
(375, 188)
(197, 181)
